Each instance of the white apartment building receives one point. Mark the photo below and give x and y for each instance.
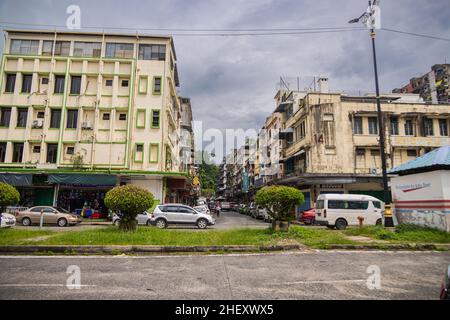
(83, 112)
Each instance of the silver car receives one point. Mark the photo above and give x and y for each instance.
(166, 214)
(142, 219)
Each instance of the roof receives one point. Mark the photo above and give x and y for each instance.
(346, 196)
(435, 160)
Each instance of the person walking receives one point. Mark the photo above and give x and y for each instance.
(217, 209)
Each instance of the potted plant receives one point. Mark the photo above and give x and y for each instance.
(280, 202)
(130, 201)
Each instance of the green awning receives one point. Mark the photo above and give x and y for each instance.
(83, 179)
(16, 179)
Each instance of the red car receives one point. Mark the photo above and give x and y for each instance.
(308, 216)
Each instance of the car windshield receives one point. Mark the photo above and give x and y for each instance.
(61, 209)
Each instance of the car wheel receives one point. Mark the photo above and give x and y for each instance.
(62, 222)
(161, 224)
(379, 222)
(148, 223)
(26, 222)
(341, 224)
(202, 224)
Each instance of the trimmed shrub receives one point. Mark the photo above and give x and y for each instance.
(279, 201)
(8, 196)
(128, 201)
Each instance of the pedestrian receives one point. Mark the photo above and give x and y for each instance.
(218, 209)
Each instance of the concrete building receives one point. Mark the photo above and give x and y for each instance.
(433, 87)
(421, 190)
(82, 112)
(331, 140)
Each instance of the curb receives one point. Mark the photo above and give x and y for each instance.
(392, 246)
(143, 249)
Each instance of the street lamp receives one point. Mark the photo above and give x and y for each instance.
(371, 18)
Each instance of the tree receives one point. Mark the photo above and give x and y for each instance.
(208, 172)
(8, 196)
(280, 202)
(128, 201)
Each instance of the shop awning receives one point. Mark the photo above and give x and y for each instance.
(16, 179)
(83, 179)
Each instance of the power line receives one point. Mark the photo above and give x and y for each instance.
(416, 34)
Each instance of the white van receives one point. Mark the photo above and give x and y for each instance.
(342, 210)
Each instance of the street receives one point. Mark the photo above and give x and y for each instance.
(293, 275)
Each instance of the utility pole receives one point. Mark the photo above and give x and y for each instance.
(371, 18)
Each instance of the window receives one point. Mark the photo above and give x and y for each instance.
(62, 48)
(351, 205)
(152, 52)
(119, 50)
(428, 127)
(140, 148)
(52, 153)
(75, 87)
(373, 125)
(5, 117)
(155, 119)
(44, 80)
(10, 83)
(72, 119)
(320, 204)
(377, 204)
(24, 46)
(394, 126)
(336, 204)
(109, 83)
(17, 152)
(360, 152)
(409, 128)
(157, 85)
(375, 153)
(59, 84)
(411, 153)
(106, 116)
(41, 115)
(87, 49)
(70, 150)
(123, 117)
(143, 84)
(22, 115)
(55, 121)
(139, 152)
(27, 79)
(36, 149)
(357, 125)
(2, 151)
(154, 152)
(124, 83)
(443, 127)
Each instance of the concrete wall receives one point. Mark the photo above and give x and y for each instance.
(423, 199)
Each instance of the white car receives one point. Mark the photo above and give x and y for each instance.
(174, 213)
(7, 220)
(142, 219)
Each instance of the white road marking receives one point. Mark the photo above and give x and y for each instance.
(20, 285)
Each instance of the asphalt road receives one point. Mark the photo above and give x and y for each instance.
(292, 275)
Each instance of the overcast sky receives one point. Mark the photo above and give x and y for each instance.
(232, 80)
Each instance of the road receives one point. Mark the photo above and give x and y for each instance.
(290, 275)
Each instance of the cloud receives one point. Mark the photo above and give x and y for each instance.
(232, 80)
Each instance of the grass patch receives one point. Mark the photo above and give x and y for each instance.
(316, 238)
(403, 233)
(11, 236)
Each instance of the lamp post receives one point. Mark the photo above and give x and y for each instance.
(371, 18)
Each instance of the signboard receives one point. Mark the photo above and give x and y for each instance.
(245, 182)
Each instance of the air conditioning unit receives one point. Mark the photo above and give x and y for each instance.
(373, 171)
(86, 125)
(38, 123)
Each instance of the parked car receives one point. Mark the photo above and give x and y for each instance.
(142, 219)
(445, 287)
(308, 217)
(259, 213)
(7, 220)
(251, 209)
(52, 215)
(234, 206)
(226, 206)
(203, 209)
(342, 210)
(168, 214)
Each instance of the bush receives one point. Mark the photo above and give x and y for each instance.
(8, 196)
(279, 201)
(130, 201)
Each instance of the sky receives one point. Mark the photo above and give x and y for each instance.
(232, 81)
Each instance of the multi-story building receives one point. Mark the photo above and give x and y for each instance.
(332, 139)
(433, 87)
(83, 112)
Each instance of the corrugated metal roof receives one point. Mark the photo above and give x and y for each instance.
(437, 158)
